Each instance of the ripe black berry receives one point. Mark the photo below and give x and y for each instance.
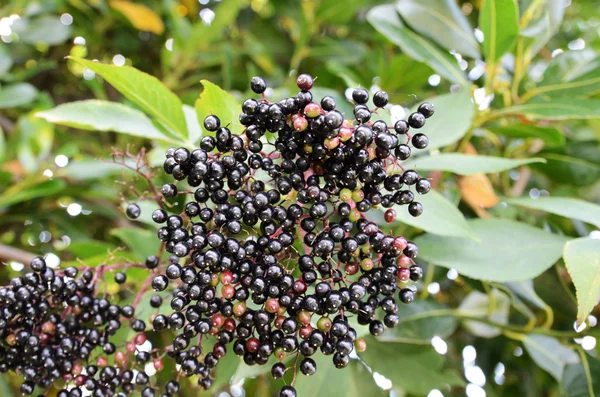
(169, 190)
(416, 273)
(406, 295)
(380, 99)
(133, 211)
(360, 95)
(415, 208)
(423, 186)
(308, 366)
(258, 84)
(211, 123)
(416, 120)
(120, 278)
(38, 264)
(402, 152)
(420, 141)
(160, 283)
(287, 391)
(159, 216)
(277, 370)
(328, 103)
(401, 127)
(238, 288)
(426, 109)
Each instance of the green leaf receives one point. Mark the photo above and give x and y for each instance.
(441, 21)
(94, 169)
(142, 243)
(546, 22)
(46, 29)
(226, 369)
(579, 80)
(439, 217)
(466, 164)
(563, 206)
(144, 90)
(193, 126)
(453, 116)
(582, 257)
(5, 387)
(29, 190)
(89, 248)
(386, 21)
(477, 304)
(98, 115)
(330, 12)
(549, 354)
(344, 72)
(6, 61)
(419, 322)
(579, 381)
(551, 136)
(104, 259)
(569, 170)
(567, 64)
(499, 22)
(341, 52)
(525, 290)
(506, 250)
(35, 138)
(555, 109)
(415, 369)
(202, 35)
(18, 94)
(352, 381)
(217, 101)
(2, 145)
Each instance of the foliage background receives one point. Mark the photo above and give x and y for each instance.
(510, 243)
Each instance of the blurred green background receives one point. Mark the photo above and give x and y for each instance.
(509, 238)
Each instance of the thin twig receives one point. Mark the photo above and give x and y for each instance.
(8, 253)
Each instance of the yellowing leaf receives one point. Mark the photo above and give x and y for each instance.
(477, 191)
(582, 257)
(140, 16)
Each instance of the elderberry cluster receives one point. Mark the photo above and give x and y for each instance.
(52, 326)
(275, 254)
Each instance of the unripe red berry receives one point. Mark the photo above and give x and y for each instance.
(218, 320)
(158, 365)
(299, 287)
(102, 362)
(272, 305)
(390, 215)
(228, 291)
(252, 345)
(403, 274)
(305, 82)
(404, 261)
(226, 277)
(300, 123)
(140, 339)
(312, 110)
(306, 331)
(400, 243)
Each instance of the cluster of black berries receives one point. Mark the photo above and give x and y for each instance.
(52, 325)
(275, 253)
